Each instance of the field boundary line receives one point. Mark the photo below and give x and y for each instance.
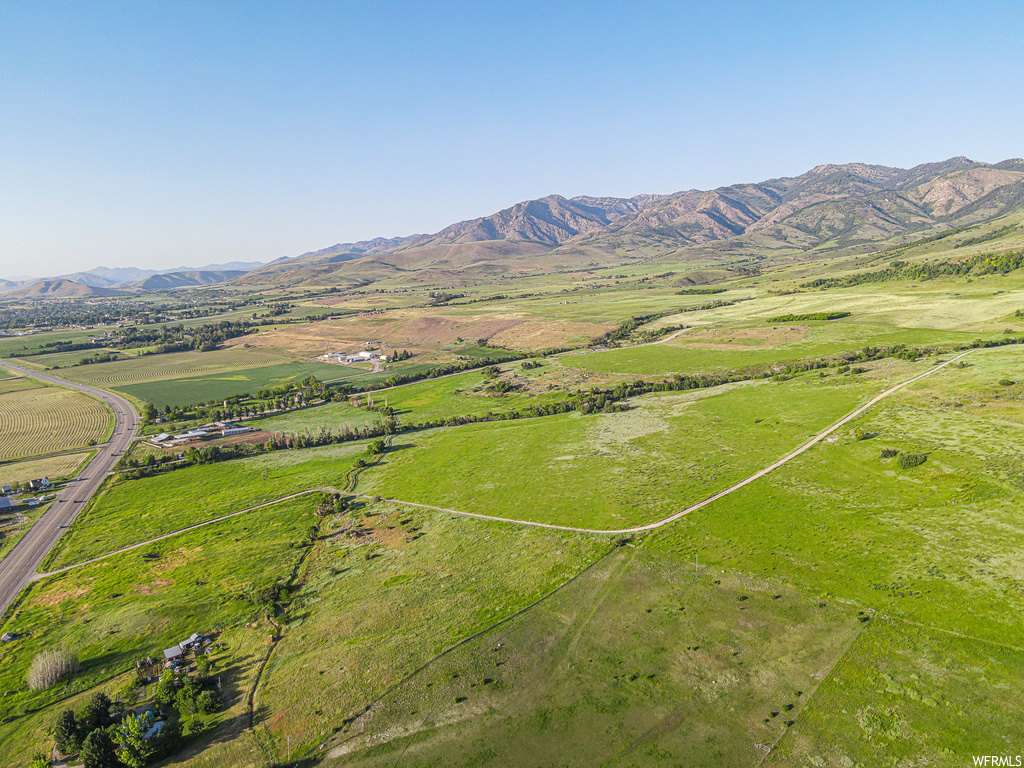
(840, 662)
(806, 446)
(470, 638)
(66, 568)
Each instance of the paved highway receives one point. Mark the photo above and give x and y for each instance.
(19, 565)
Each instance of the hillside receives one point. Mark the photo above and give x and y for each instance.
(60, 289)
(830, 207)
(172, 280)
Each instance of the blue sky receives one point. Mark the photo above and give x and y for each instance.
(161, 134)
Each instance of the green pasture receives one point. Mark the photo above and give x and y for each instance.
(139, 510)
(174, 365)
(19, 345)
(982, 304)
(616, 470)
(66, 359)
(218, 386)
(639, 661)
(939, 544)
(911, 695)
(135, 605)
(680, 355)
(389, 590)
(429, 400)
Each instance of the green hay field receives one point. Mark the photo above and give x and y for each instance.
(54, 467)
(463, 395)
(638, 662)
(190, 389)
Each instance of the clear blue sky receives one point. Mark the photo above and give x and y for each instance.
(160, 134)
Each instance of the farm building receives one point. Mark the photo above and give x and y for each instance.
(234, 431)
(5, 490)
(173, 653)
(39, 485)
(194, 639)
(161, 437)
(5, 505)
(188, 437)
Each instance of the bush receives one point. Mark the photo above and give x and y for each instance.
(50, 667)
(207, 703)
(888, 453)
(1006, 382)
(910, 460)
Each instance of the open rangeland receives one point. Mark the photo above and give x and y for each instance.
(37, 419)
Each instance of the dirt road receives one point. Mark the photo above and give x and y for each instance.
(732, 488)
(19, 564)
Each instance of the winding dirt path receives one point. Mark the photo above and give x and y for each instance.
(732, 488)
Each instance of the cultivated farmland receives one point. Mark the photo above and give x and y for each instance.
(37, 419)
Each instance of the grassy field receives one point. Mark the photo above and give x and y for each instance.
(389, 591)
(54, 467)
(134, 605)
(738, 347)
(845, 610)
(16, 345)
(637, 662)
(463, 395)
(911, 695)
(175, 365)
(140, 510)
(938, 544)
(617, 470)
(189, 389)
(37, 419)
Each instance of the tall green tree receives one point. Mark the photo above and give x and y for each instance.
(66, 733)
(131, 736)
(96, 712)
(98, 751)
(166, 691)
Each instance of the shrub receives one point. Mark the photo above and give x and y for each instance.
(910, 460)
(51, 666)
(1006, 382)
(207, 703)
(888, 453)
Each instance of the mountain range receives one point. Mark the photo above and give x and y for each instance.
(114, 281)
(827, 209)
(830, 207)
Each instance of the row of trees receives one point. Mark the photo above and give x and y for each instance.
(982, 264)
